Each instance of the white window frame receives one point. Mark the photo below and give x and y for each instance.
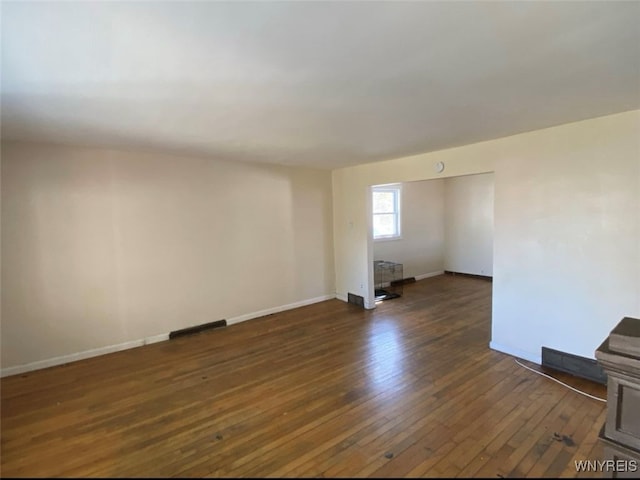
(396, 189)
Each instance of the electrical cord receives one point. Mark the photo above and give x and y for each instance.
(562, 383)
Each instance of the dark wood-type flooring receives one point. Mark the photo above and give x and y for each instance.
(409, 389)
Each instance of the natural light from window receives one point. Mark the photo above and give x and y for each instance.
(386, 211)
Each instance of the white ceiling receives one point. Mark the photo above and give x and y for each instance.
(324, 84)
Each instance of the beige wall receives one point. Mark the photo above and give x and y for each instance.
(102, 247)
(468, 224)
(566, 229)
(421, 249)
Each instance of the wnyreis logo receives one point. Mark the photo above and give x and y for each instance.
(617, 466)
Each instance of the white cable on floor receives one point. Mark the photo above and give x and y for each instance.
(561, 383)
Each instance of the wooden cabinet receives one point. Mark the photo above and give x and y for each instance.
(619, 356)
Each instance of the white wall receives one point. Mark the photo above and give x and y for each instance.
(566, 229)
(421, 248)
(101, 247)
(468, 224)
(567, 236)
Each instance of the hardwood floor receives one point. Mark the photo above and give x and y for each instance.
(409, 389)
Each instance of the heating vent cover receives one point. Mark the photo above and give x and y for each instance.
(573, 364)
(356, 300)
(197, 329)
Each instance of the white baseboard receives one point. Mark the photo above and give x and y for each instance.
(281, 308)
(52, 362)
(514, 352)
(427, 275)
(344, 298)
(156, 339)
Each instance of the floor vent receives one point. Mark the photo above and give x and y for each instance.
(573, 364)
(197, 329)
(355, 300)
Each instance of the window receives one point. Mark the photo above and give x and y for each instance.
(386, 212)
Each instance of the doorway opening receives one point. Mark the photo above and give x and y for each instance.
(429, 228)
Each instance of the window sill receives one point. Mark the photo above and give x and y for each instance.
(387, 239)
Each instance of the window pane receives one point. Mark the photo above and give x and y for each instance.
(384, 202)
(384, 225)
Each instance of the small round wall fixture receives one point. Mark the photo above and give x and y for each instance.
(439, 167)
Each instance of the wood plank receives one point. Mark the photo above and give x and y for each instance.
(409, 389)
